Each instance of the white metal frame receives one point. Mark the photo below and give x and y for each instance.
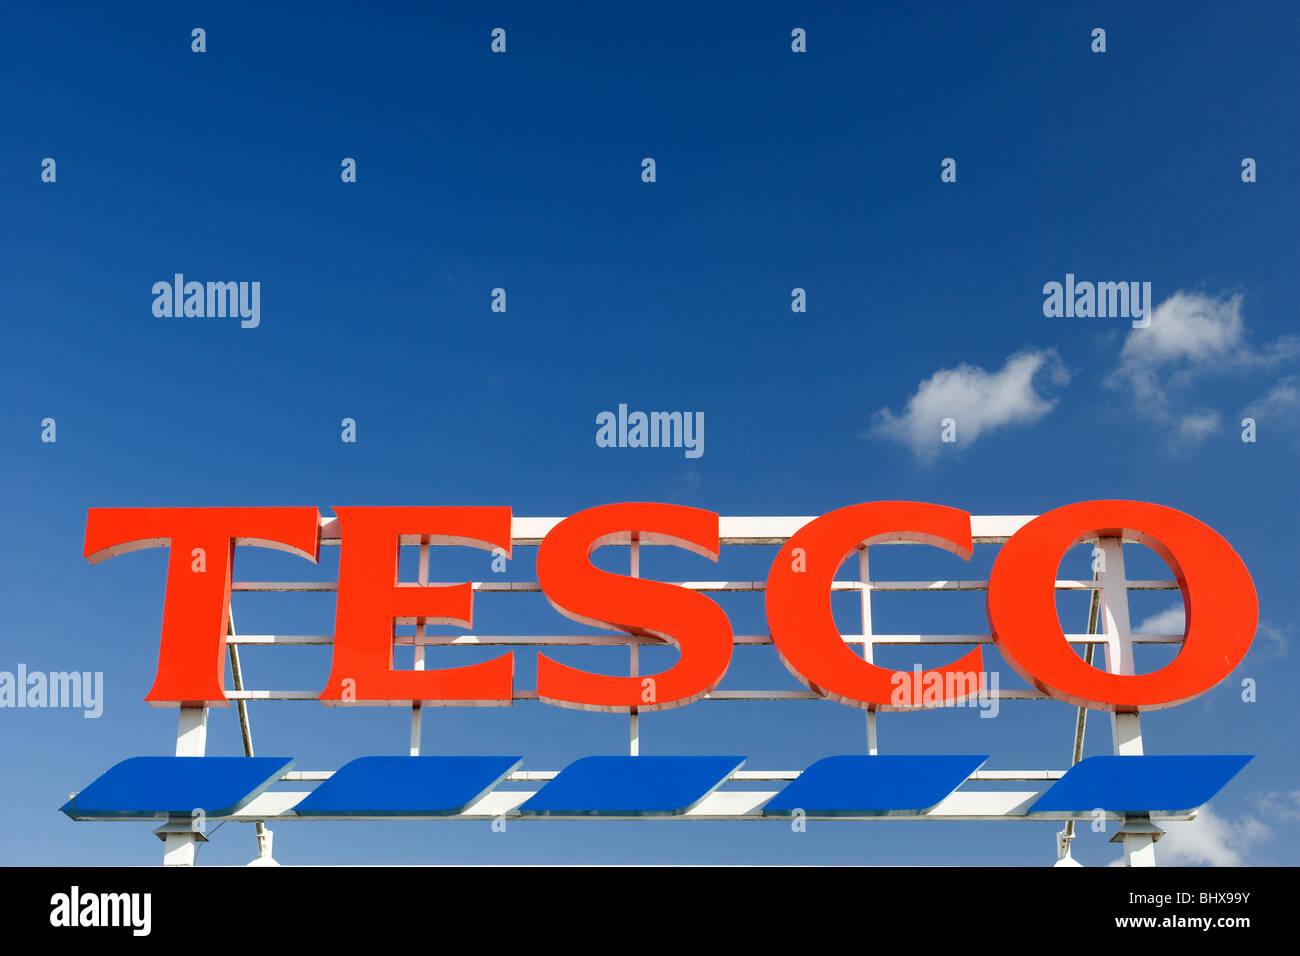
(1110, 588)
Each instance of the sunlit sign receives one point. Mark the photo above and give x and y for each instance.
(1217, 592)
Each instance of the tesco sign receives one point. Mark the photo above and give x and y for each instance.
(1217, 591)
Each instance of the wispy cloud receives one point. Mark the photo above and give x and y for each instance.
(1270, 641)
(1279, 407)
(1279, 804)
(1171, 620)
(1209, 840)
(1276, 640)
(1282, 397)
(1190, 335)
(977, 400)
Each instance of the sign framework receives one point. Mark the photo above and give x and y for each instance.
(1129, 787)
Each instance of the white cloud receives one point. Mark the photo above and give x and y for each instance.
(1209, 839)
(1269, 641)
(1197, 425)
(1282, 398)
(1279, 407)
(976, 399)
(1190, 335)
(1277, 642)
(1282, 805)
(1171, 620)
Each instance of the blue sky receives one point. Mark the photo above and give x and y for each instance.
(522, 171)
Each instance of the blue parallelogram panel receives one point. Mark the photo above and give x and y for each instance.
(860, 785)
(630, 786)
(150, 787)
(434, 786)
(1171, 783)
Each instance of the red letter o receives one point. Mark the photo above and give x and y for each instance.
(1218, 596)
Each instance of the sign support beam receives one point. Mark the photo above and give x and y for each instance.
(1137, 834)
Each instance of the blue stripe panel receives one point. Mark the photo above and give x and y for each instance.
(405, 786)
(858, 785)
(148, 787)
(1167, 783)
(630, 786)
